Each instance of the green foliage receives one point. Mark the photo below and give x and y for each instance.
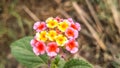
(22, 51)
(58, 62)
(77, 63)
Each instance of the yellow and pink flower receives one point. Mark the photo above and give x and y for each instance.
(55, 34)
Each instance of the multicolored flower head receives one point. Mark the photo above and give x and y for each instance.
(55, 34)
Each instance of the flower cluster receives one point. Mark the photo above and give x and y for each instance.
(55, 34)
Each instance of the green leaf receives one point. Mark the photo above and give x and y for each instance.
(61, 63)
(77, 63)
(58, 62)
(22, 51)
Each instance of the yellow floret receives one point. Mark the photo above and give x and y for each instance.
(63, 26)
(61, 40)
(42, 36)
(51, 23)
(52, 35)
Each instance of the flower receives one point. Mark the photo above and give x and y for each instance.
(70, 20)
(41, 36)
(33, 42)
(72, 46)
(63, 25)
(39, 48)
(52, 35)
(76, 26)
(39, 26)
(71, 33)
(60, 39)
(58, 19)
(51, 23)
(52, 49)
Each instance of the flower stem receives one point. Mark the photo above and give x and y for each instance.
(49, 62)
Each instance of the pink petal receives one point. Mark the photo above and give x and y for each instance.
(57, 50)
(76, 43)
(67, 48)
(33, 42)
(58, 19)
(70, 20)
(78, 26)
(42, 52)
(75, 33)
(35, 50)
(51, 54)
(74, 50)
(36, 25)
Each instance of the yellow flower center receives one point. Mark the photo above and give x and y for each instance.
(63, 26)
(60, 39)
(51, 23)
(52, 35)
(42, 36)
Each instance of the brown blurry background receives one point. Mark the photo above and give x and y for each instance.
(99, 38)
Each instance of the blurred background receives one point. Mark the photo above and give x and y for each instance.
(99, 39)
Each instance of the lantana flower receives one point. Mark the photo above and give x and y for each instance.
(75, 26)
(41, 36)
(72, 46)
(55, 34)
(58, 19)
(71, 33)
(60, 39)
(51, 23)
(52, 49)
(70, 20)
(52, 35)
(63, 25)
(39, 26)
(39, 48)
(33, 42)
